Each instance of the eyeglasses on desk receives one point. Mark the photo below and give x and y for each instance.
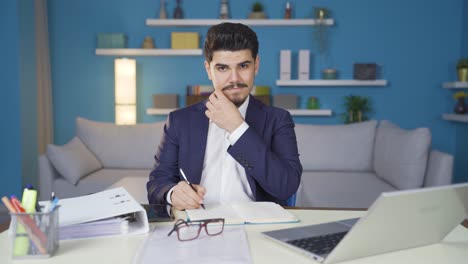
(190, 230)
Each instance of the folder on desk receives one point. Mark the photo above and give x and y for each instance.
(108, 213)
(244, 213)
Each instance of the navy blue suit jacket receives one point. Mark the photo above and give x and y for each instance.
(267, 151)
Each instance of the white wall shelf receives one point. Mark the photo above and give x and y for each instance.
(149, 52)
(249, 22)
(310, 112)
(159, 111)
(455, 85)
(455, 117)
(331, 83)
(294, 112)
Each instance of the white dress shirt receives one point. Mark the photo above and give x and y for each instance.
(222, 176)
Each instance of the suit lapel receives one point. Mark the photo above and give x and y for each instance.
(255, 116)
(198, 135)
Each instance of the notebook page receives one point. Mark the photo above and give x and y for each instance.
(215, 211)
(263, 212)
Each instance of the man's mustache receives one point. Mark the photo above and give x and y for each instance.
(232, 85)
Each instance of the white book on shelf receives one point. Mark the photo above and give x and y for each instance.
(304, 65)
(285, 65)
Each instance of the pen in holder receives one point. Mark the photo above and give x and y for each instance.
(35, 235)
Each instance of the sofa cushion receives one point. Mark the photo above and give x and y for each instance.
(401, 156)
(117, 146)
(73, 160)
(336, 147)
(95, 182)
(340, 189)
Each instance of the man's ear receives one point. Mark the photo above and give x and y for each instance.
(207, 68)
(257, 64)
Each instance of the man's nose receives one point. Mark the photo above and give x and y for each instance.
(234, 76)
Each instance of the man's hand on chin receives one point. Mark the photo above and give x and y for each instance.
(223, 112)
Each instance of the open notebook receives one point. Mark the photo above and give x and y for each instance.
(244, 213)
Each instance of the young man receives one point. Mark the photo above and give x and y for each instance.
(231, 147)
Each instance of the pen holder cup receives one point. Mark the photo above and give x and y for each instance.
(34, 235)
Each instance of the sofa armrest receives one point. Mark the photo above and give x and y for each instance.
(47, 175)
(439, 169)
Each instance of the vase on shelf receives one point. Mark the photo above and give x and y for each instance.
(460, 107)
(162, 10)
(313, 103)
(288, 11)
(224, 10)
(463, 75)
(178, 12)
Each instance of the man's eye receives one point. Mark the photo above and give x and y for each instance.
(222, 68)
(244, 66)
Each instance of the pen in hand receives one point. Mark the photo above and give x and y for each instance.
(186, 180)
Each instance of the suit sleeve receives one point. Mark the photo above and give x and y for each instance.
(272, 161)
(164, 176)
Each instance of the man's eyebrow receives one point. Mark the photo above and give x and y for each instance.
(245, 62)
(227, 66)
(221, 65)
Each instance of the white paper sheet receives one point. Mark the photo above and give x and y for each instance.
(231, 247)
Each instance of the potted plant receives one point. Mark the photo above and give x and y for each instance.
(460, 107)
(462, 68)
(257, 11)
(357, 108)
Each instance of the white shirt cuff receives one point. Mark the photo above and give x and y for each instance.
(236, 134)
(168, 196)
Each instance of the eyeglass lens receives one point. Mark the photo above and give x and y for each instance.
(188, 231)
(214, 228)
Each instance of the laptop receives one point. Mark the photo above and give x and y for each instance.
(395, 221)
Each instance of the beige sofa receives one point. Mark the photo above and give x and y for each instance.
(350, 165)
(344, 165)
(100, 155)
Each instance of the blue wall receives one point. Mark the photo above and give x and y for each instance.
(461, 148)
(464, 33)
(416, 42)
(10, 151)
(28, 91)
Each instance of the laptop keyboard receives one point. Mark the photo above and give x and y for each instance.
(319, 245)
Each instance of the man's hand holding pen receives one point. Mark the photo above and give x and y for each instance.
(184, 197)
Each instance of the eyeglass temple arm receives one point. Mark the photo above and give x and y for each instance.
(176, 225)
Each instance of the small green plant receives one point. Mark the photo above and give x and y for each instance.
(462, 64)
(459, 95)
(257, 7)
(357, 108)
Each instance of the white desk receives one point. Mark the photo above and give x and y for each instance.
(454, 249)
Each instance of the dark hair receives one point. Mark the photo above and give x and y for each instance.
(232, 37)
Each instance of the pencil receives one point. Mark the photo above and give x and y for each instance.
(193, 188)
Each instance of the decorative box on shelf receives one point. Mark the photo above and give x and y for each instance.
(112, 41)
(165, 101)
(185, 40)
(286, 101)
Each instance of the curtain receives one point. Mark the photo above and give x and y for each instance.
(45, 124)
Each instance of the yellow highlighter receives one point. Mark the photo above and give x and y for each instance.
(28, 201)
